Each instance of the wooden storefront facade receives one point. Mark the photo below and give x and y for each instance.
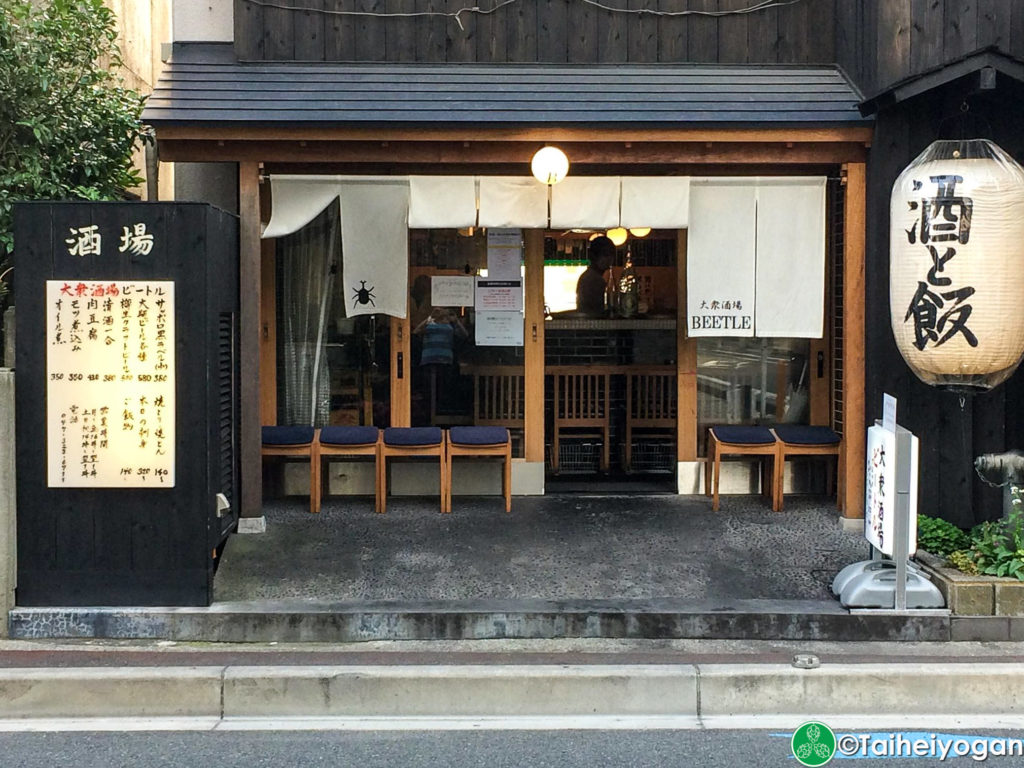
(876, 44)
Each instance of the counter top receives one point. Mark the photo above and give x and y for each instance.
(611, 323)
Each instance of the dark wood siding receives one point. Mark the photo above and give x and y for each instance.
(555, 31)
(880, 42)
(951, 434)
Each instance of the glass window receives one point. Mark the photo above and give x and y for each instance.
(456, 378)
(751, 381)
(331, 369)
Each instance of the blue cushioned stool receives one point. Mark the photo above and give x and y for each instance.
(411, 441)
(804, 440)
(294, 442)
(333, 442)
(485, 442)
(758, 442)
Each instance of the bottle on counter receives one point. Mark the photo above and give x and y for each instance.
(629, 289)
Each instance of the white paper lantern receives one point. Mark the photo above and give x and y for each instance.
(549, 165)
(956, 249)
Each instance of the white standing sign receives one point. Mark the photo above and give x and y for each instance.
(880, 490)
(110, 407)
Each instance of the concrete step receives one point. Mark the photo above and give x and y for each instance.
(354, 621)
(704, 691)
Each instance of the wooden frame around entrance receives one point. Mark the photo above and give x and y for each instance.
(486, 149)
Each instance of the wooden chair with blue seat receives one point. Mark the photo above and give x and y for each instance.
(804, 440)
(481, 442)
(294, 443)
(756, 442)
(411, 442)
(345, 442)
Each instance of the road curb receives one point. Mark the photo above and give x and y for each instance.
(514, 691)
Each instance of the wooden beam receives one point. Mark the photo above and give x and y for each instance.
(268, 335)
(533, 343)
(851, 466)
(401, 371)
(686, 366)
(603, 153)
(858, 134)
(249, 274)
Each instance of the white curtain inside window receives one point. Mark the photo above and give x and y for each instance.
(579, 202)
(309, 266)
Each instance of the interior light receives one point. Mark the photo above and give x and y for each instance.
(549, 165)
(639, 231)
(594, 236)
(618, 235)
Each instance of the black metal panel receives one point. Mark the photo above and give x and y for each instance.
(200, 86)
(124, 546)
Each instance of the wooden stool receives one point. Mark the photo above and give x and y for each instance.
(294, 442)
(411, 441)
(758, 442)
(481, 441)
(802, 440)
(334, 442)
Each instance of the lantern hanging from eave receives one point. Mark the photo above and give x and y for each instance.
(956, 249)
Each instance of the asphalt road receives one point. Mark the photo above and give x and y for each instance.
(429, 749)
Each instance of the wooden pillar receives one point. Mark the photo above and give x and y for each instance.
(533, 346)
(268, 334)
(686, 366)
(401, 372)
(249, 275)
(851, 464)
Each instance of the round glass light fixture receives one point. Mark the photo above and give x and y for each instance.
(617, 235)
(549, 165)
(593, 236)
(639, 231)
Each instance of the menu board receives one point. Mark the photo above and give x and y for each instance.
(110, 407)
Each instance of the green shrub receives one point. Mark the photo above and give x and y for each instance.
(940, 537)
(996, 547)
(962, 561)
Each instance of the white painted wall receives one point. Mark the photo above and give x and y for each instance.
(203, 21)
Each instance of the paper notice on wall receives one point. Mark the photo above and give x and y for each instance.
(504, 253)
(506, 295)
(499, 329)
(110, 406)
(451, 291)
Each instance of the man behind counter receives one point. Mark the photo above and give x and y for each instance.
(591, 285)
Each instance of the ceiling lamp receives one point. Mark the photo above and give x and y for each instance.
(549, 165)
(639, 231)
(594, 236)
(617, 235)
(956, 245)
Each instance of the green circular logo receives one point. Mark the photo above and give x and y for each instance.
(813, 744)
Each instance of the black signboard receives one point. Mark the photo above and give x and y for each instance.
(126, 400)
